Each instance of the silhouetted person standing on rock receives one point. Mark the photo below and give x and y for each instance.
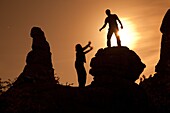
(113, 27)
(79, 63)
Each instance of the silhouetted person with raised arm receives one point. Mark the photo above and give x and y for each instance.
(113, 27)
(79, 63)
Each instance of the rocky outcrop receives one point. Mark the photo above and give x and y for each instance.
(157, 87)
(114, 70)
(163, 65)
(114, 63)
(38, 67)
(36, 78)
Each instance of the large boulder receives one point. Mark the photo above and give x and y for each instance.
(115, 62)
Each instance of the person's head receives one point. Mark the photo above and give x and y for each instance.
(78, 47)
(36, 31)
(107, 11)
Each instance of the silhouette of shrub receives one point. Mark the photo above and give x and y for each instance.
(5, 85)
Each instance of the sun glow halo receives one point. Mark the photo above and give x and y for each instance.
(128, 35)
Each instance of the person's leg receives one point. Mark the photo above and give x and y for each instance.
(83, 77)
(81, 72)
(118, 39)
(109, 35)
(78, 76)
(78, 70)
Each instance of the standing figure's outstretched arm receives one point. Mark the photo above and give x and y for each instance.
(105, 23)
(120, 22)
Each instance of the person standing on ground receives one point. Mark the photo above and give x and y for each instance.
(79, 63)
(113, 27)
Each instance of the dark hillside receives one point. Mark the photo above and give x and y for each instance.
(113, 89)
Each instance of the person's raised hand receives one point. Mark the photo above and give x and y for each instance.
(89, 42)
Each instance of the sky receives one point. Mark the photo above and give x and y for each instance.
(69, 22)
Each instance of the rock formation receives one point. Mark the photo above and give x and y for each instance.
(115, 70)
(163, 65)
(38, 67)
(114, 63)
(113, 89)
(157, 87)
(36, 78)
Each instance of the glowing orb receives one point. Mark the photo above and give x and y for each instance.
(128, 35)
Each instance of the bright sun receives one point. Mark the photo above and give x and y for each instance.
(128, 35)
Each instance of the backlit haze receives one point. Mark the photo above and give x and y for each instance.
(69, 22)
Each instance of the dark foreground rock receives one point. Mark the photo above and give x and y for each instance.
(158, 87)
(62, 99)
(36, 91)
(32, 95)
